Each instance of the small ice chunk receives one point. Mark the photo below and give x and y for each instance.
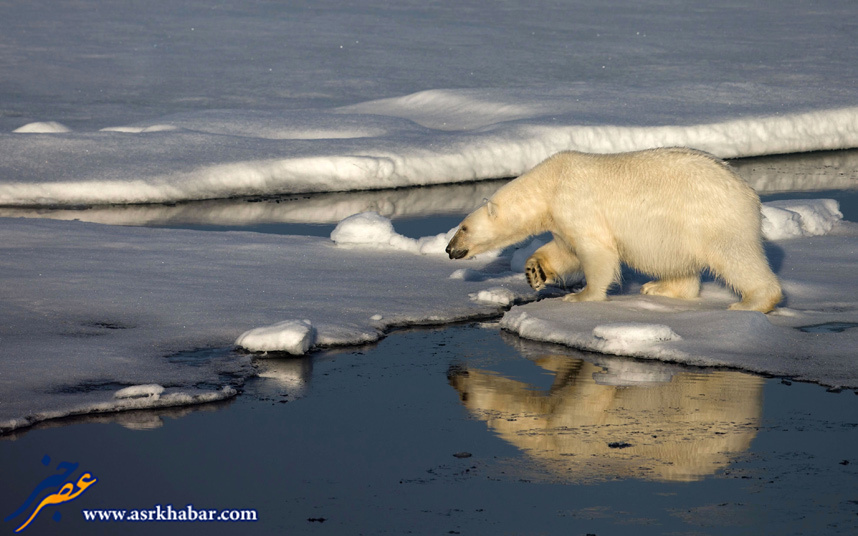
(42, 127)
(140, 391)
(498, 295)
(292, 336)
(469, 274)
(635, 332)
(376, 317)
(369, 229)
(797, 218)
(362, 229)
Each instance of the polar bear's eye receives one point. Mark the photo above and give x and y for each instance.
(464, 229)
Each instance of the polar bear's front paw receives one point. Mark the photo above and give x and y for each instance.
(535, 273)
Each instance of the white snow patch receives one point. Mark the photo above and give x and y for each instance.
(293, 336)
(796, 218)
(631, 337)
(497, 295)
(371, 230)
(139, 130)
(42, 127)
(140, 391)
(633, 332)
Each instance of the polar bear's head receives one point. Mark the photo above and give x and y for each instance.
(485, 229)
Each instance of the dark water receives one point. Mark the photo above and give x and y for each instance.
(467, 430)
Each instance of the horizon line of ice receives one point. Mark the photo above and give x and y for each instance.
(500, 151)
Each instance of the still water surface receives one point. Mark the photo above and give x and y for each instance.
(469, 430)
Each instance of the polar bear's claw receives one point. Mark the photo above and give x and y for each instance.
(535, 274)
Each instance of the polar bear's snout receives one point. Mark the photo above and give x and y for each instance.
(455, 252)
(455, 249)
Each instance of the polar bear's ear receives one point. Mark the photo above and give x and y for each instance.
(492, 208)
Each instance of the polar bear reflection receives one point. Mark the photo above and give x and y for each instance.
(596, 423)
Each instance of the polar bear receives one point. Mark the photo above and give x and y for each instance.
(669, 213)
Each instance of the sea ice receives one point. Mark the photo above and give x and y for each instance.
(819, 285)
(806, 217)
(132, 116)
(293, 336)
(369, 229)
(125, 304)
(498, 295)
(136, 391)
(42, 127)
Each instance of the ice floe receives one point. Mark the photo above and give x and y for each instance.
(818, 277)
(96, 308)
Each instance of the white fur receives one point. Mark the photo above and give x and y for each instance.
(669, 213)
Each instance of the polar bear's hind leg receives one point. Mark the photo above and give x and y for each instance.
(751, 278)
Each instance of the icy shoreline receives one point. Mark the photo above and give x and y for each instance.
(121, 302)
(91, 306)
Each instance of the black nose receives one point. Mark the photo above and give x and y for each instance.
(456, 253)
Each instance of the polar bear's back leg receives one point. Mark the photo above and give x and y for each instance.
(682, 287)
(746, 270)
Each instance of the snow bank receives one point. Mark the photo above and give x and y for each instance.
(178, 165)
(593, 82)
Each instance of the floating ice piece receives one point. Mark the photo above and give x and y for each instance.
(498, 295)
(370, 229)
(292, 336)
(366, 228)
(800, 217)
(42, 127)
(140, 391)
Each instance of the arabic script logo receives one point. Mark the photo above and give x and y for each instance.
(63, 487)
